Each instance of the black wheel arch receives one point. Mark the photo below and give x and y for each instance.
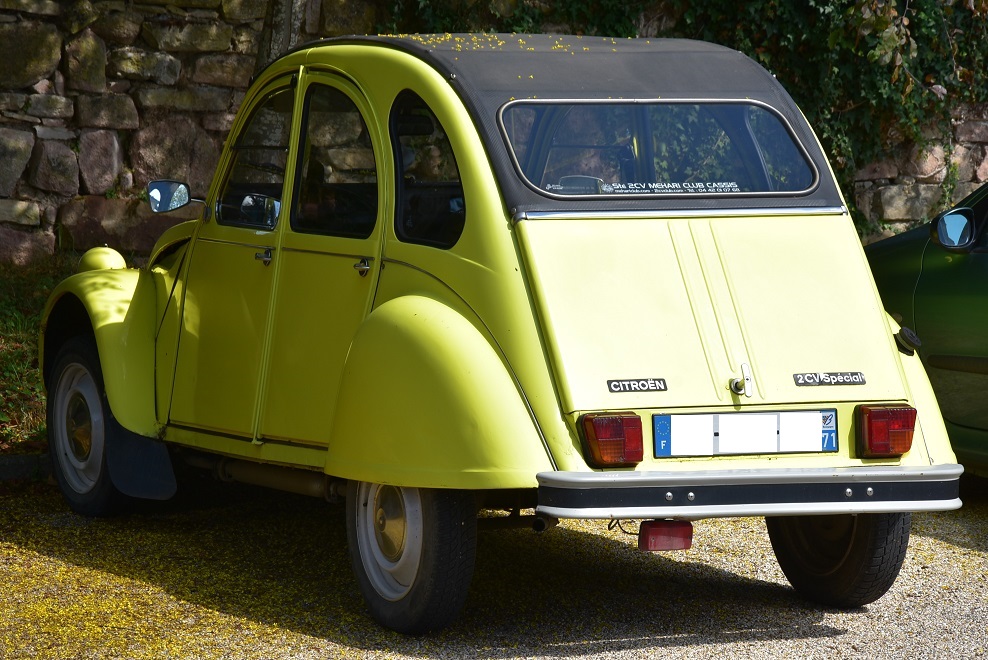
(68, 318)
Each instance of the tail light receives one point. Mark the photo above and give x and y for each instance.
(885, 431)
(614, 439)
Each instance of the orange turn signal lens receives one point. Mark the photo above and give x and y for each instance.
(885, 431)
(613, 439)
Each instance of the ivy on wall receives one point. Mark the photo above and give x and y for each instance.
(869, 74)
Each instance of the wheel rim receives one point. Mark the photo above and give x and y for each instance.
(77, 431)
(824, 542)
(389, 537)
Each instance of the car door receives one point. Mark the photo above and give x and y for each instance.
(329, 260)
(230, 277)
(951, 306)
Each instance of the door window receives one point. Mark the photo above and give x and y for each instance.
(251, 196)
(337, 174)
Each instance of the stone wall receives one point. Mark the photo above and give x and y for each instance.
(908, 188)
(98, 97)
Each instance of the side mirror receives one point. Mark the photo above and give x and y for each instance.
(954, 229)
(164, 196)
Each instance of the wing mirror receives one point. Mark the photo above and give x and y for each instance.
(165, 196)
(954, 229)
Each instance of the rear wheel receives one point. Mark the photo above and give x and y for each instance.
(79, 425)
(841, 560)
(412, 551)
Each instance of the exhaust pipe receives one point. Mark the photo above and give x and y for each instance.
(515, 521)
(542, 523)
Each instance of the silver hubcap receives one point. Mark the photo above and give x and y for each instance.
(78, 434)
(389, 537)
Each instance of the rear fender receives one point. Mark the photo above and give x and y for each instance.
(931, 424)
(425, 401)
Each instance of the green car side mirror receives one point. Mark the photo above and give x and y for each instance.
(954, 229)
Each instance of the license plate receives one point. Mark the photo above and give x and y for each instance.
(745, 433)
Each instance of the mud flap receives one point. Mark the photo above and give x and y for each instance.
(139, 466)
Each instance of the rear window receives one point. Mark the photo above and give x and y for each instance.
(705, 148)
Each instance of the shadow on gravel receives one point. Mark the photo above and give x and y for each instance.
(966, 527)
(281, 560)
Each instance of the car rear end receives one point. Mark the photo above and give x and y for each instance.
(716, 341)
(725, 366)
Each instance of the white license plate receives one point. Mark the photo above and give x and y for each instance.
(745, 433)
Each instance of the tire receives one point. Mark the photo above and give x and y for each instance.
(844, 561)
(413, 552)
(79, 425)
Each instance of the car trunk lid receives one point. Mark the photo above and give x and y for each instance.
(667, 312)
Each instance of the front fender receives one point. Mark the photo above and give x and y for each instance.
(425, 401)
(120, 306)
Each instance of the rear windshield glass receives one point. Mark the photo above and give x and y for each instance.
(655, 148)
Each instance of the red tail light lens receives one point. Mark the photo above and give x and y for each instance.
(885, 431)
(613, 440)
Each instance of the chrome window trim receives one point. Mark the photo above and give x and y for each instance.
(683, 213)
(817, 174)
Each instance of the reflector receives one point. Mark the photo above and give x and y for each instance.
(657, 535)
(885, 431)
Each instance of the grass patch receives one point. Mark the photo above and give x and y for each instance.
(23, 291)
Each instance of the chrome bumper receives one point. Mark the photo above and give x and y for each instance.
(736, 493)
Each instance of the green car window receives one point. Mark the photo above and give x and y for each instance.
(251, 194)
(337, 173)
(980, 209)
(431, 209)
(655, 148)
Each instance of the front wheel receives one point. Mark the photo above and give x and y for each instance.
(79, 425)
(841, 560)
(412, 552)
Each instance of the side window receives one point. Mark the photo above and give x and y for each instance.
(251, 196)
(337, 174)
(430, 209)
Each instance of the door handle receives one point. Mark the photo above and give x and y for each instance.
(362, 267)
(264, 256)
(742, 385)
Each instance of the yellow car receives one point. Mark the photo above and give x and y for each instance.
(554, 276)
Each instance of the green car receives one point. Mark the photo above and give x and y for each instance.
(933, 279)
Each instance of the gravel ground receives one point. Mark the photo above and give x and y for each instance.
(235, 572)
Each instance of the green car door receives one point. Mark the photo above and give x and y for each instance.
(951, 311)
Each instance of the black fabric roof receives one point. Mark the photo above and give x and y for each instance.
(489, 70)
